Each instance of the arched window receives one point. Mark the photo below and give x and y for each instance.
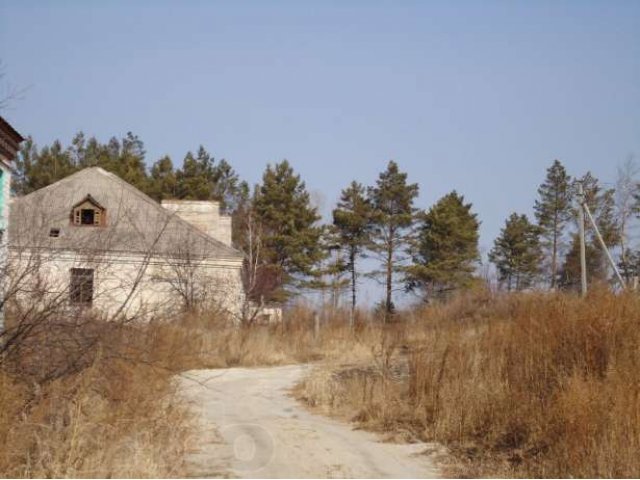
(88, 212)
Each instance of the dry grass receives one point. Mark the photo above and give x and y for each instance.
(95, 400)
(80, 397)
(533, 385)
(204, 343)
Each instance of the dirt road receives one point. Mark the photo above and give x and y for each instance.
(266, 433)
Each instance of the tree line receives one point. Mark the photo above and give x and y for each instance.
(546, 251)
(432, 252)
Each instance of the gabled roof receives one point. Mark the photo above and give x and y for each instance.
(136, 223)
(91, 200)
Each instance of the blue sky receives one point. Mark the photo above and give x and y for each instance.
(474, 96)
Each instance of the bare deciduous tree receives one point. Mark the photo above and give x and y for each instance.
(626, 206)
(9, 93)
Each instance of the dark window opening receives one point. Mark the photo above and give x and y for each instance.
(81, 286)
(54, 232)
(88, 213)
(87, 216)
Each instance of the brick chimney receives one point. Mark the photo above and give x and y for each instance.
(204, 215)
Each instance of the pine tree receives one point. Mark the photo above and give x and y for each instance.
(125, 158)
(570, 273)
(606, 218)
(38, 168)
(193, 180)
(226, 186)
(162, 181)
(446, 248)
(24, 160)
(601, 203)
(553, 211)
(201, 178)
(626, 207)
(351, 226)
(517, 253)
(89, 153)
(331, 272)
(131, 163)
(291, 236)
(392, 216)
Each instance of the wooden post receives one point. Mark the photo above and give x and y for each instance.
(316, 325)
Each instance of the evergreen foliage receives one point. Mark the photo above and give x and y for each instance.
(163, 182)
(37, 168)
(290, 234)
(392, 218)
(553, 211)
(601, 203)
(570, 272)
(193, 181)
(446, 248)
(351, 227)
(517, 253)
(201, 178)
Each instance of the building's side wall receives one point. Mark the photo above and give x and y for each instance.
(223, 230)
(5, 194)
(204, 215)
(134, 285)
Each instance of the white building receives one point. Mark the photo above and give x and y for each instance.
(91, 240)
(10, 141)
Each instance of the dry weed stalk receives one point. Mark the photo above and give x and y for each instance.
(519, 385)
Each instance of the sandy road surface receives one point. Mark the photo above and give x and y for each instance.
(266, 433)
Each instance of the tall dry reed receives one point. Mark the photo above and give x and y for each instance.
(537, 385)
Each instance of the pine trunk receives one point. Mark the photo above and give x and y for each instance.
(388, 308)
(554, 253)
(554, 248)
(352, 259)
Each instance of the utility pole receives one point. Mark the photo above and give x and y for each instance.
(604, 247)
(583, 254)
(584, 209)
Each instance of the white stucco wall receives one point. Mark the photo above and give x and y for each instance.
(132, 284)
(204, 215)
(5, 198)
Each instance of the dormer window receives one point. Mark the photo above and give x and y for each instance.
(88, 213)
